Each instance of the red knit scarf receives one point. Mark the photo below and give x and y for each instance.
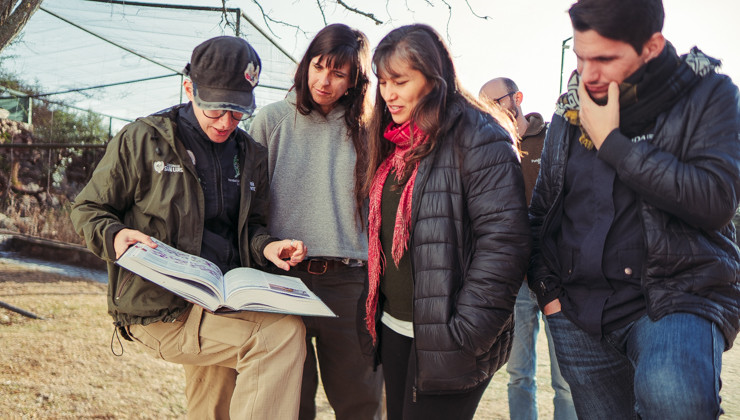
(400, 135)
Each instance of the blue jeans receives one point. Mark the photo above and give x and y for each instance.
(522, 365)
(665, 369)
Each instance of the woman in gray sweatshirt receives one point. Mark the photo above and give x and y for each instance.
(317, 155)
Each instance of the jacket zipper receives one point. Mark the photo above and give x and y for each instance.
(643, 271)
(218, 179)
(425, 169)
(413, 300)
(547, 219)
(126, 278)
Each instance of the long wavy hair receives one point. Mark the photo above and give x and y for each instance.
(424, 50)
(339, 44)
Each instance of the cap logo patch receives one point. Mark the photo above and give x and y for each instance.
(252, 74)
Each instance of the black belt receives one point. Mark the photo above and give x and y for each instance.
(319, 266)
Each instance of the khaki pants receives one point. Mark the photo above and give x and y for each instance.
(257, 356)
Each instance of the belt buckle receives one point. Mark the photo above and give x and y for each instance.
(324, 266)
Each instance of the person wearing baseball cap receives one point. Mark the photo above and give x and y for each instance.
(190, 177)
(223, 73)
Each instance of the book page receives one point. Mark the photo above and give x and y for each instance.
(200, 281)
(255, 290)
(243, 278)
(175, 263)
(192, 291)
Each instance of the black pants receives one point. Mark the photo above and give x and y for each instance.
(353, 388)
(399, 370)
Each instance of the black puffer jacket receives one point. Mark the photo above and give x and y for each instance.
(687, 179)
(469, 248)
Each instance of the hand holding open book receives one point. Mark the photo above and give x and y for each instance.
(200, 281)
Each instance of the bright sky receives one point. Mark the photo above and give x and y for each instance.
(522, 39)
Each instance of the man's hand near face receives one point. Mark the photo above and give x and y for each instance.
(598, 120)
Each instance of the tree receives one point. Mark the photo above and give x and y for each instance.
(272, 17)
(61, 170)
(14, 14)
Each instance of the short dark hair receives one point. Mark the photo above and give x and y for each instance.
(630, 21)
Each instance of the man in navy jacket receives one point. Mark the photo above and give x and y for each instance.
(634, 260)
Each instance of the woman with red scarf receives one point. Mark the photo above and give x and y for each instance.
(448, 231)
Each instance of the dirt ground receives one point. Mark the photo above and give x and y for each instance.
(63, 368)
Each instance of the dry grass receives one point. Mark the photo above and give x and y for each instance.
(28, 218)
(62, 367)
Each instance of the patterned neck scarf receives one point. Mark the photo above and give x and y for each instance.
(645, 94)
(401, 136)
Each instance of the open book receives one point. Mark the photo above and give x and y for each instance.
(200, 281)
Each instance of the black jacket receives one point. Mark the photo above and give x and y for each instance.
(687, 179)
(469, 247)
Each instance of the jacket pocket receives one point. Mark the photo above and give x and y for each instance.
(189, 341)
(124, 281)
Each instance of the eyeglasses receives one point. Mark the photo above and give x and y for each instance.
(215, 114)
(498, 100)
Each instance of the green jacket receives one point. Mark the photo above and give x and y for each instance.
(146, 181)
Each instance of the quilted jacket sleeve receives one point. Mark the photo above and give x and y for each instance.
(693, 169)
(494, 196)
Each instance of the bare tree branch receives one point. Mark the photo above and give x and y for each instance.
(225, 22)
(14, 14)
(449, 18)
(476, 14)
(321, 9)
(5, 8)
(322, 5)
(388, 12)
(360, 12)
(266, 17)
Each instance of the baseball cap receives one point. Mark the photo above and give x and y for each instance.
(224, 71)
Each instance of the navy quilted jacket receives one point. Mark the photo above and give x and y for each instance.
(687, 179)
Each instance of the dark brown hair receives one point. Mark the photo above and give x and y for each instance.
(630, 21)
(423, 49)
(339, 44)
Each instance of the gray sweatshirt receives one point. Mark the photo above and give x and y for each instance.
(311, 169)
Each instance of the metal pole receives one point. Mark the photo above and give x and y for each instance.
(562, 61)
(128, 50)
(269, 38)
(146, 79)
(19, 310)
